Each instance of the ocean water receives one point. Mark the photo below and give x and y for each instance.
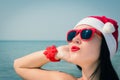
(10, 50)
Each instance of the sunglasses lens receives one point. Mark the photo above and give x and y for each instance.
(71, 35)
(86, 34)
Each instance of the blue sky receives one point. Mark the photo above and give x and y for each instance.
(49, 19)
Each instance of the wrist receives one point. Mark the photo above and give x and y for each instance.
(51, 53)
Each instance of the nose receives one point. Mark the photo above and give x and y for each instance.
(76, 39)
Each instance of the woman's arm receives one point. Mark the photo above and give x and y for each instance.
(28, 67)
(34, 60)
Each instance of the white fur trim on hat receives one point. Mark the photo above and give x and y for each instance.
(106, 29)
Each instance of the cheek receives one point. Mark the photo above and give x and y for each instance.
(90, 51)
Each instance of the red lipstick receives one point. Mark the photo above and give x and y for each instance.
(74, 48)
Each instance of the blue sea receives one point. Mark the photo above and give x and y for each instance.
(10, 50)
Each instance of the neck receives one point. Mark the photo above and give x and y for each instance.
(88, 72)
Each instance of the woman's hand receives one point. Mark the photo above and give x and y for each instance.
(63, 52)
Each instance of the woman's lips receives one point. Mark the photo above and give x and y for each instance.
(74, 48)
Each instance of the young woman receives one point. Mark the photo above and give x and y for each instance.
(91, 45)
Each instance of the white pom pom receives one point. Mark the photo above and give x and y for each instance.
(108, 28)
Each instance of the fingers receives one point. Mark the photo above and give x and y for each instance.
(63, 51)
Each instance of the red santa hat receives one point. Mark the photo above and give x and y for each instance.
(108, 27)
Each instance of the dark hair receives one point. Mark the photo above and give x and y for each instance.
(107, 71)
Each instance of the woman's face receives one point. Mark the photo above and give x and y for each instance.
(84, 52)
